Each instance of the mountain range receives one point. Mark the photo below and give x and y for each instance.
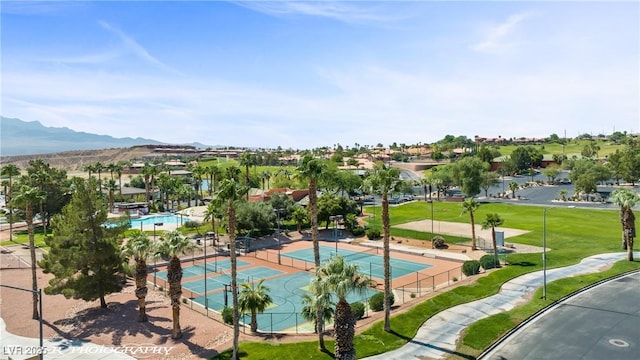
(19, 137)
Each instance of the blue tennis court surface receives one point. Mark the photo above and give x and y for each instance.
(198, 270)
(217, 282)
(368, 261)
(286, 293)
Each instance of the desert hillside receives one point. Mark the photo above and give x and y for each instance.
(76, 160)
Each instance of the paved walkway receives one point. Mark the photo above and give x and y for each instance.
(20, 348)
(437, 337)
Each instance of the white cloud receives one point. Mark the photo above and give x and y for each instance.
(348, 12)
(497, 35)
(135, 48)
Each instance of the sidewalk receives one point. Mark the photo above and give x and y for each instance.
(437, 337)
(21, 348)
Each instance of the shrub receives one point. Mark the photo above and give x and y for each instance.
(373, 234)
(471, 267)
(489, 262)
(438, 242)
(357, 231)
(376, 302)
(357, 309)
(227, 315)
(190, 224)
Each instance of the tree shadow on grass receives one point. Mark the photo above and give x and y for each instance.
(430, 346)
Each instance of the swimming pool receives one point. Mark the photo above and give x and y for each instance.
(157, 219)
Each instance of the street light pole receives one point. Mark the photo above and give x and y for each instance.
(544, 253)
(278, 232)
(206, 300)
(431, 201)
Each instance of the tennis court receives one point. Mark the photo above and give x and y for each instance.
(218, 282)
(199, 269)
(285, 312)
(369, 261)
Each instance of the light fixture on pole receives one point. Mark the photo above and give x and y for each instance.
(277, 211)
(155, 267)
(431, 202)
(544, 253)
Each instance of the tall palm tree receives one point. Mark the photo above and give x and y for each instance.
(27, 197)
(111, 188)
(90, 169)
(211, 213)
(470, 205)
(38, 172)
(246, 160)
(341, 279)
(99, 168)
(172, 245)
(118, 169)
(230, 191)
(254, 298)
(198, 172)
(147, 172)
(385, 180)
(266, 175)
(626, 199)
(318, 297)
(492, 221)
(10, 171)
(311, 169)
(140, 247)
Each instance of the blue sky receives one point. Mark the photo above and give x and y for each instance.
(308, 74)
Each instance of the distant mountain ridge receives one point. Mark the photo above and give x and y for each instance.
(19, 137)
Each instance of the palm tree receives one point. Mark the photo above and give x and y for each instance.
(470, 205)
(341, 279)
(139, 247)
(99, 167)
(198, 172)
(320, 298)
(172, 245)
(111, 187)
(10, 171)
(266, 175)
(300, 216)
(230, 191)
(385, 180)
(246, 160)
(254, 298)
(210, 214)
(26, 197)
(626, 199)
(311, 169)
(148, 171)
(513, 186)
(118, 169)
(492, 221)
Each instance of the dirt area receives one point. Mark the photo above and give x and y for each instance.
(75, 161)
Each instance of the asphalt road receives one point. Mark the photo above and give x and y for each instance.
(600, 323)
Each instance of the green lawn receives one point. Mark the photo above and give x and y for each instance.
(572, 234)
(22, 237)
(573, 147)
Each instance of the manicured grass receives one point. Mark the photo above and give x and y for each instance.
(572, 147)
(572, 234)
(22, 237)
